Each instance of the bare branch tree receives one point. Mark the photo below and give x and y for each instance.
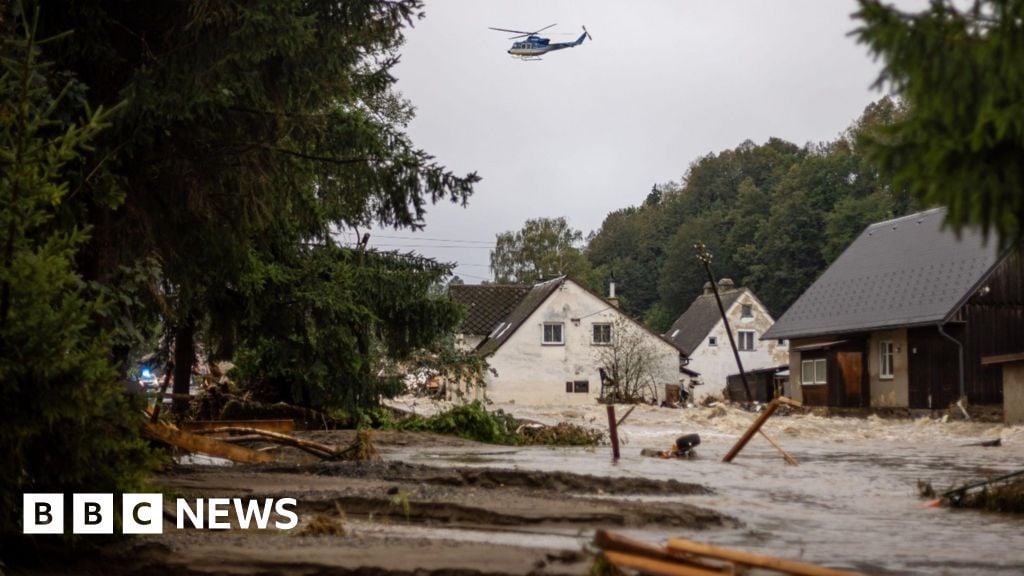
(627, 363)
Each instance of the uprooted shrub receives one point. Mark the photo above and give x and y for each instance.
(472, 421)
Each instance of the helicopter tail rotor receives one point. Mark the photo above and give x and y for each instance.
(589, 37)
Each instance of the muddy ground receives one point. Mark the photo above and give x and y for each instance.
(400, 518)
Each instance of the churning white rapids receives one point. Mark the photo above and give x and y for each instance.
(852, 501)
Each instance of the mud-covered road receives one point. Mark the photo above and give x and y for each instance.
(396, 516)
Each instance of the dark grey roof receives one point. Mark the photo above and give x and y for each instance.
(486, 304)
(689, 330)
(502, 331)
(898, 273)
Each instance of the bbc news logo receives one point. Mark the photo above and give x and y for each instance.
(143, 513)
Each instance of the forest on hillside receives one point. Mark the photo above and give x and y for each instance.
(774, 215)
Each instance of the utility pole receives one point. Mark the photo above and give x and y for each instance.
(705, 257)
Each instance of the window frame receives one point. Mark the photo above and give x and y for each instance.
(577, 386)
(713, 341)
(814, 363)
(746, 311)
(886, 355)
(753, 340)
(544, 334)
(593, 334)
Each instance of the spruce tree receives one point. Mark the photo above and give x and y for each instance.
(960, 69)
(66, 425)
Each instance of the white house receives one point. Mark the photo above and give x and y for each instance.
(550, 347)
(701, 335)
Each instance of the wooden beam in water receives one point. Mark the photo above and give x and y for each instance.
(770, 409)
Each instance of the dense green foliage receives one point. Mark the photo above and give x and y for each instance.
(773, 216)
(959, 66)
(66, 426)
(183, 168)
(543, 249)
(328, 303)
(251, 133)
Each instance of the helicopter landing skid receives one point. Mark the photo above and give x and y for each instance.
(531, 58)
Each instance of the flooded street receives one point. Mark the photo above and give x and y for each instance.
(852, 502)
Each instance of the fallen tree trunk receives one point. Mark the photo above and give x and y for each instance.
(282, 426)
(195, 443)
(314, 448)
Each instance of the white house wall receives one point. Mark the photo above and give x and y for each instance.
(716, 363)
(532, 373)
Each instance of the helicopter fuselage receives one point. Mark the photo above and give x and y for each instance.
(535, 46)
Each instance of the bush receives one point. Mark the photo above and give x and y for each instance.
(472, 421)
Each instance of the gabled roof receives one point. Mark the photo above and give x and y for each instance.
(898, 273)
(486, 304)
(690, 329)
(502, 331)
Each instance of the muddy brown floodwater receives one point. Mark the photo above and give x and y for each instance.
(441, 505)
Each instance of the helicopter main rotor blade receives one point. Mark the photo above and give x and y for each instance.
(521, 32)
(507, 30)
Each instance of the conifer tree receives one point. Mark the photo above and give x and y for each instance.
(960, 69)
(66, 426)
(251, 129)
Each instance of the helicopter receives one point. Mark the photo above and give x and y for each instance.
(534, 46)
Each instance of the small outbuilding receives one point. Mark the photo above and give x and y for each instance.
(1013, 385)
(903, 318)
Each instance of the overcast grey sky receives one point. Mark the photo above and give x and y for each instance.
(589, 130)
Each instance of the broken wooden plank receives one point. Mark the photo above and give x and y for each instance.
(770, 409)
(660, 567)
(283, 426)
(740, 557)
(624, 416)
(612, 542)
(789, 459)
(202, 444)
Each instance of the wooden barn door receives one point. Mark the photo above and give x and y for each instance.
(934, 370)
(851, 371)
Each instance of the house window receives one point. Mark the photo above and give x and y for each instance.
(746, 311)
(553, 333)
(746, 340)
(602, 334)
(782, 341)
(577, 387)
(885, 350)
(813, 371)
(713, 341)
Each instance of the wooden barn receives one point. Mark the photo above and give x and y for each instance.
(903, 318)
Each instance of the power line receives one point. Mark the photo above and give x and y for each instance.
(455, 240)
(419, 247)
